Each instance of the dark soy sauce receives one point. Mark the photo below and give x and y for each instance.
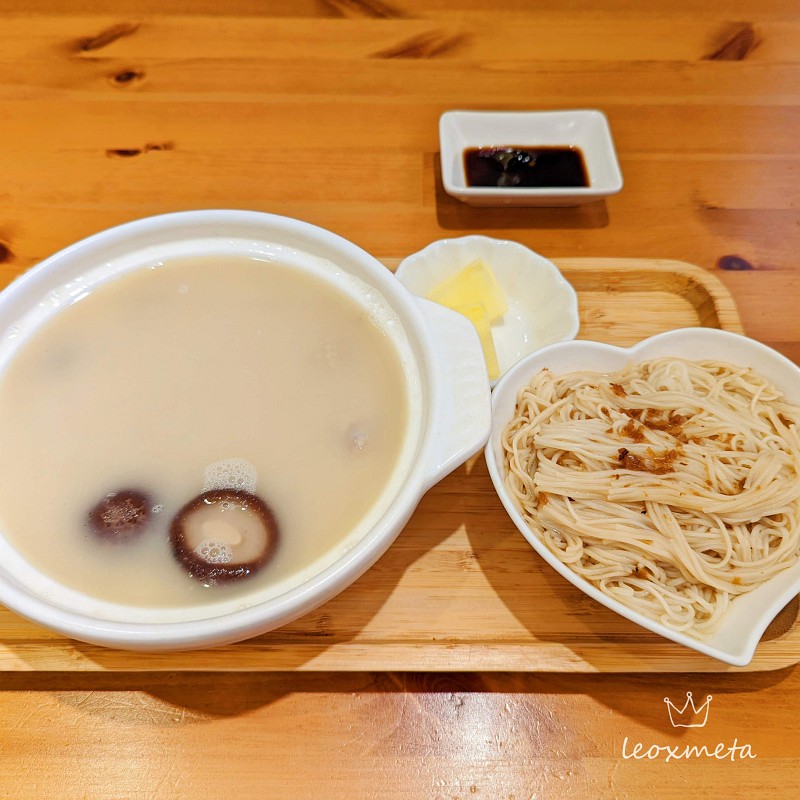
(525, 167)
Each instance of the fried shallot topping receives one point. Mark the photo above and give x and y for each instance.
(657, 464)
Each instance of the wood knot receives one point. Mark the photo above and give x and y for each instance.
(736, 43)
(372, 9)
(734, 263)
(426, 45)
(5, 253)
(130, 152)
(126, 77)
(107, 37)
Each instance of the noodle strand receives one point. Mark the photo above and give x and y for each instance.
(673, 486)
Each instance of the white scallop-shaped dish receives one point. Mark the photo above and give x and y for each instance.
(748, 615)
(542, 305)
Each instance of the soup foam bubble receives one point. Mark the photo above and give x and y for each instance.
(230, 473)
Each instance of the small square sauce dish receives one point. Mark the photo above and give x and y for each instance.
(528, 158)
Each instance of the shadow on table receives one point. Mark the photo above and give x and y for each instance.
(167, 699)
(598, 636)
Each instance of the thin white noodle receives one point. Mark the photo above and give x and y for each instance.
(672, 486)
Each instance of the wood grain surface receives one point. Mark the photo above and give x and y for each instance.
(327, 110)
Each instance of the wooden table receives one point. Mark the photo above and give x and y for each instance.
(327, 110)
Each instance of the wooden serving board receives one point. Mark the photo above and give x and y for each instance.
(461, 589)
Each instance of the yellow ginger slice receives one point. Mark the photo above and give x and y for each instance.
(477, 315)
(475, 283)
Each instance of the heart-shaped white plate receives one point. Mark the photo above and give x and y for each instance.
(748, 615)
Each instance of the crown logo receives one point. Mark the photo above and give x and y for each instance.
(682, 717)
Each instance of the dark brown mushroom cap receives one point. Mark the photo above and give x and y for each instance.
(120, 515)
(224, 535)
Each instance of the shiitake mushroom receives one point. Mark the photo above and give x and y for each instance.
(120, 515)
(224, 535)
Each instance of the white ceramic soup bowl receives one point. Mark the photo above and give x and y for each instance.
(449, 416)
(749, 614)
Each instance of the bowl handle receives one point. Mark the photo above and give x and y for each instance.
(463, 411)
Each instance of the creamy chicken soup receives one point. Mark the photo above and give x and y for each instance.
(190, 376)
